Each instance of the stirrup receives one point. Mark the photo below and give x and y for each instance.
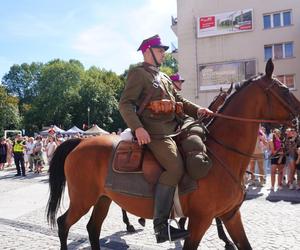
(169, 226)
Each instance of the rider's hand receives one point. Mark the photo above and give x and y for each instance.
(204, 112)
(142, 136)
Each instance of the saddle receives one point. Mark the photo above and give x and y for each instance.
(129, 157)
(134, 171)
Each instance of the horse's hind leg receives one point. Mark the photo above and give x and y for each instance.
(236, 231)
(94, 225)
(64, 222)
(62, 231)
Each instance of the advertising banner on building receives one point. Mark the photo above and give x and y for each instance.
(225, 23)
(215, 75)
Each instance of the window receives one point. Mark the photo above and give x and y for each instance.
(287, 18)
(288, 49)
(278, 19)
(288, 80)
(268, 53)
(214, 76)
(267, 21)
(279, 51)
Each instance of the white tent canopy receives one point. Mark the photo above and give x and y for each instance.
(55, 128)
(74, 130)
(95, 130)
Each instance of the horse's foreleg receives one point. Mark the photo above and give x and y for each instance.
(98, 215)
(236, 231)
(197, 228)
(221, 233)
(129, 227)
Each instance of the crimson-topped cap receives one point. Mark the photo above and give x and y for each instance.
(176, 77)
(152, 42)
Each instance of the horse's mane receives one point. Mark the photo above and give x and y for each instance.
(237, 87)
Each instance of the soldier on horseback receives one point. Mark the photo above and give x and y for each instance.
(151, 106)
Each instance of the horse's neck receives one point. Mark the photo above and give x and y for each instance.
(239, 134)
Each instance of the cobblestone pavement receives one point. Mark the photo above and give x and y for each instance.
(269, 224)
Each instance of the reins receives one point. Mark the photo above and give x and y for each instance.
(242, 119)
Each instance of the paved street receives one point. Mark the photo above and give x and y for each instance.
(269, 224)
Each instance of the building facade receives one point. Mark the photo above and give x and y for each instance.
(220, 42)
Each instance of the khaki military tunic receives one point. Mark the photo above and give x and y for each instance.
(159, 126)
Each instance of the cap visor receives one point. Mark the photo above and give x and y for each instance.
(161, 46)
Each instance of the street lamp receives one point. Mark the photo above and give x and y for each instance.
(88, 110)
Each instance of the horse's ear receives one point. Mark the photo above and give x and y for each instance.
(269, 68)
(230, 89)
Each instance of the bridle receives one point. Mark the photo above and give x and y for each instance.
(286, 102)
(269, 91)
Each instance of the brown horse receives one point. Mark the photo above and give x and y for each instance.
(84, 165)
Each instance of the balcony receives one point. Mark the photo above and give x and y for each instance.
(174, 24)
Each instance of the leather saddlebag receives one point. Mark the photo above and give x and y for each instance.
(128, 157)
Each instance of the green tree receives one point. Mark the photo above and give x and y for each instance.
(57, 90)
(99, 91)
(170, 65)
(9, 112)
(21, 81)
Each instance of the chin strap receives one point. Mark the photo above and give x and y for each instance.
(154, 58)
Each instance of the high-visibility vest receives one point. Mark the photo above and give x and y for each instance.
(18, 147)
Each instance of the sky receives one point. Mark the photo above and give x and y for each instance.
(101, 33)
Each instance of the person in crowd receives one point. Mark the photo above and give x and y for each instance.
(9, 157)
(149, 124)
(278, 159)
(3, 153)
(50, 148)
(38, 154)
(26, 157)
(29, 151)
(298, 168)
(18, 151)
(258, 157)
(177, 81)
(291, 144)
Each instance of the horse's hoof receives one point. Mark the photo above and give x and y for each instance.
(230, 246)
(142, 221)
(130, 229)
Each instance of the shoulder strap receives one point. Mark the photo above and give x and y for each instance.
(146, 100)
(155, 85)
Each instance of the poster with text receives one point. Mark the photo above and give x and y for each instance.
(225, 23)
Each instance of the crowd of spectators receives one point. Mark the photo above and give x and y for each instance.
(29, 154)
(277, 152)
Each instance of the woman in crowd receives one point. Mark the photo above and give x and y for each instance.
(278, 159)
(291, 144)
(259, 151)
(9, 157)
(298, 169)
(38, 154)
(50, 148)
(3, 153)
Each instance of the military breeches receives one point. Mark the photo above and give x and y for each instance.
(166, 152)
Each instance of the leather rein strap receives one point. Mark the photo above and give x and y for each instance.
(242, 119)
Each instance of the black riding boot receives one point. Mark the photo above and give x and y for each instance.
(162, 207)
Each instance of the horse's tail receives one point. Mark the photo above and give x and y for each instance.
(57, 179)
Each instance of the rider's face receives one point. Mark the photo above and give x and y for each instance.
(159, 54)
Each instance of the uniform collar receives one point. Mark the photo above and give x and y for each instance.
(151, 68)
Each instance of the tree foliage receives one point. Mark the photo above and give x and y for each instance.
(9, 113)
(60, 92)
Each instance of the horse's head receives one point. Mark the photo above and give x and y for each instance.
(280, 102)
